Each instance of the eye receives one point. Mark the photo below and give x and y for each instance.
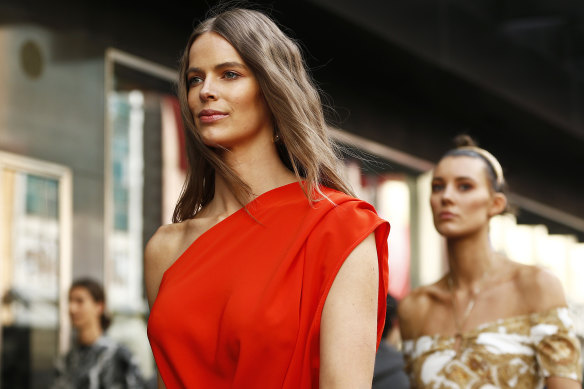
(464, 187)
(437, 187)
(193, 81)
(231, 75)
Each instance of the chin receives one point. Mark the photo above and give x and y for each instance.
(448, 231)
(455, 233)
(451, 235)
(214, 143)
(219, 141)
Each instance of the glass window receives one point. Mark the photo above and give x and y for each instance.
(140, 124)
(31, 259)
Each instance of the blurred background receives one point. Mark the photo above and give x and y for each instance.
(91, 158)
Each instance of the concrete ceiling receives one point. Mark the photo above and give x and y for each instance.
(410, 74)
(530, 53)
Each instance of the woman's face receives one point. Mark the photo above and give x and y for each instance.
(224, 96)
(462, 199)
(84, 311)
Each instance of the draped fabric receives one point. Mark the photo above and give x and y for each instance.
(241, 307)
(516, 352)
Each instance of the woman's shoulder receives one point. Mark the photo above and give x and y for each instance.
(171, 240)
(165, 240)
(540, 288)
(161, 251)
(414, 309)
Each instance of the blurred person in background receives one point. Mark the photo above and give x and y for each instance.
(94, 361)
(272, 275)
(389, 364)
(489, 322)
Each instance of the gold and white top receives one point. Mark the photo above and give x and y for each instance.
(516, 352)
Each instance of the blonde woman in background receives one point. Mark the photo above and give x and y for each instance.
(489, 322)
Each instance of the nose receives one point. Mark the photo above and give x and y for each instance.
(446, 197)
(208, 91)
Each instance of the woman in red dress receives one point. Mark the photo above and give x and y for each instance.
(272, 274)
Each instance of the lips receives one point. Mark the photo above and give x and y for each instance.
(211, 115)
(445, 215)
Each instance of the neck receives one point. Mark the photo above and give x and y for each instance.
(260, 167)
(470, 258)
(88, 335)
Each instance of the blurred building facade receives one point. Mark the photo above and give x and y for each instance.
(91, 140)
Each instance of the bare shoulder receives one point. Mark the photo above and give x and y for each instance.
(414, 308)
(164, 241)
(160, 252)
(540, 288)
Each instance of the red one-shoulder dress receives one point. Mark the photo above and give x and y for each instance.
(241, 307)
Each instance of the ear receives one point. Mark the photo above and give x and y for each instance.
(498, 205)
(101, 307)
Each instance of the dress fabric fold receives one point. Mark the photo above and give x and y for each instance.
(241, 307)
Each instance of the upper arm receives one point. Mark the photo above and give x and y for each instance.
(561, 383)
(410, 312)
(155, 263)
(543, 292)
(404, 314)
(348, 331)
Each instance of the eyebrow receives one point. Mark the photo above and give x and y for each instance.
(459, 178)
(231, 64)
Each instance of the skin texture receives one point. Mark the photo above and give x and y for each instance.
(85, 314)
(348, 331)
(463, 202)
(221, 81)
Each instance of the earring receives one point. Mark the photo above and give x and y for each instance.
(276, 138)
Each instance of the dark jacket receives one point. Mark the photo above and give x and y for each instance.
(389, 369)
(103, 365)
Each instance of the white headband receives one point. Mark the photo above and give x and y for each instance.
(491, 160)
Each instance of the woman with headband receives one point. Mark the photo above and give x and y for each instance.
(489, 322)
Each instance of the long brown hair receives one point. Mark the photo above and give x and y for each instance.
(292, 97)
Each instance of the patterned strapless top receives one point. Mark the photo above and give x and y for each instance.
(516, 352)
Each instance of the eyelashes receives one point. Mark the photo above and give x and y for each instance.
(226, 75)
(192, 81)
(462, 187)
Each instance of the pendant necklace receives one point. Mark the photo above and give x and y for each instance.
(458, 338)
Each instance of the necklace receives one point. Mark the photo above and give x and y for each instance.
(458, 339)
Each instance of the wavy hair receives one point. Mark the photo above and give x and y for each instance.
(304, 145)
